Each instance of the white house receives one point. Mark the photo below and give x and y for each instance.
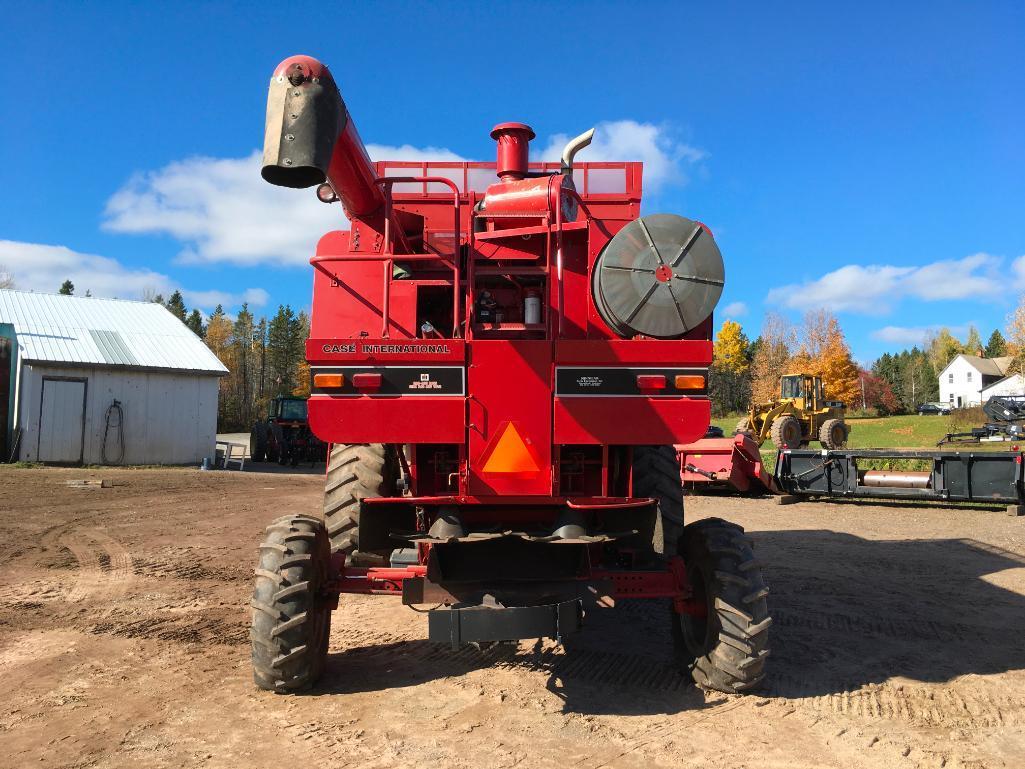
(966, 376)
(103, 381)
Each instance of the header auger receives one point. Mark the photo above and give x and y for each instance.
(502, 356)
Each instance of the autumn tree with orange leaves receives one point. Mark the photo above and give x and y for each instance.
(824, 352)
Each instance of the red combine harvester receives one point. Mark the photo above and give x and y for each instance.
(502, 367)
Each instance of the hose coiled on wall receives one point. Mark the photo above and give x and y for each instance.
(119, 426)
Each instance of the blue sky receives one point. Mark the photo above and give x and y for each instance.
(865, 157)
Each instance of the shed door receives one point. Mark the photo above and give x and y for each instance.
(61, 420)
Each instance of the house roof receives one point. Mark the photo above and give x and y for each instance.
(986, 366)
(105, 332)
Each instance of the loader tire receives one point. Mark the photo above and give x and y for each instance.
(833, 434)
(786, 432)
(291, 620)
(656, 474)
(258, 443)
(726, 649)
(355, 471)
(743, 426)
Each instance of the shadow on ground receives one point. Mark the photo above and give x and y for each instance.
(847, 612)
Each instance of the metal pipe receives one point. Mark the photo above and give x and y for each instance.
(573, 147)
(896, 480)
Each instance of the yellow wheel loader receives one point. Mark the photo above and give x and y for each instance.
(800, 416)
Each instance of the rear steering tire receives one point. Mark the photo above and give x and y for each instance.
(291, 620)
(726, 649)
(743, 426)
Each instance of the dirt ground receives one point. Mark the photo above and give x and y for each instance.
(899, 641)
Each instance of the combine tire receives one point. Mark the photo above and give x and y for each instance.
(786, 432)
(833, 434)
(258, 443)
(291, 621)
(743, 426)
(656, 474)
(726, 649)
(355, 471)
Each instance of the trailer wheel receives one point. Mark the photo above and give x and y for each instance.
(833, 434)
(726, 649)
(258, 442)
(786, 432)
(656, 474)
(291, 621)
(355, 471)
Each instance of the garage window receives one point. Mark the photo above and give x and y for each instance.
(950, 377)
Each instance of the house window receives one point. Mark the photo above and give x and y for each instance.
(950, 377)
(952, 397)
(969, 376)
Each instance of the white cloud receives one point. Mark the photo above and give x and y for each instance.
(914, 335)
(223, 211)
(42, 267)
(664, 158)
(735, 310)
(877, 289)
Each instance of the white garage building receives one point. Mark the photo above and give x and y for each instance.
(103, 381)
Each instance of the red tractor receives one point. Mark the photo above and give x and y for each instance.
(502, 357)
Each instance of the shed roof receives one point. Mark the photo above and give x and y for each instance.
(105, 332)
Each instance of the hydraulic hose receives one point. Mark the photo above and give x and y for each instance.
(112, 410)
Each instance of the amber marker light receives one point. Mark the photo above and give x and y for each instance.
(689, 382)
(328, 381)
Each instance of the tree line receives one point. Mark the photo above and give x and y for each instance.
(896, 383)
(264, 357)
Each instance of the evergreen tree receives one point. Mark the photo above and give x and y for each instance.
(242, 354)
(195, 323)
(67, 288)
(176, 305)
(285, 343)
(996, 347)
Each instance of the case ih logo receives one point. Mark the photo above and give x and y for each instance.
(425, 383)
(334, 348)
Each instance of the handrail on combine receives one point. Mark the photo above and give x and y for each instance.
(387, 256)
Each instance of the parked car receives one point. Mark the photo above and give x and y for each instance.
(934, 408)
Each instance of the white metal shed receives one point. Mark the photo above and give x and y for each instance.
(104, 381)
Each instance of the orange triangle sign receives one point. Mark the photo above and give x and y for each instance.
(510, 453)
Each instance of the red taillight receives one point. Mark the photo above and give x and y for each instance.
(366, 381)
(651, 381)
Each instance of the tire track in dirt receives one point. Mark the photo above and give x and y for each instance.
(104, 565)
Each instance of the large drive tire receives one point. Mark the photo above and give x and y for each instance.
(833, 434)
(743, 426)
(291, 620)
(786, 432)
(656, 474)
(273, 433)
(355, 471)
(258, 442)
(726, 649)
